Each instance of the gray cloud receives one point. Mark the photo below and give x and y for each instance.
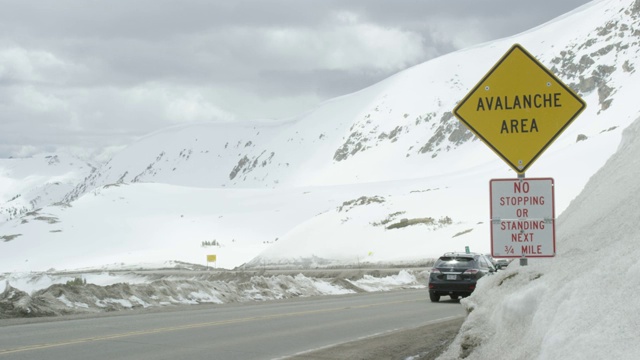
(77, 73)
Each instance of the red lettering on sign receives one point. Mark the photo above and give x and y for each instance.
(531, 249)
(521, 186)
(522, 237)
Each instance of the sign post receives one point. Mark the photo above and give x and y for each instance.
(211, 258)
(518, 109)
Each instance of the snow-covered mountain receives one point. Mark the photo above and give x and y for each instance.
(403, 123)
(30, 183)
(386, 174)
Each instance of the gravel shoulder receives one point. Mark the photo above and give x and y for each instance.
(424, 343)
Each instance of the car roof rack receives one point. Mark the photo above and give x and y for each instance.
(460, 254)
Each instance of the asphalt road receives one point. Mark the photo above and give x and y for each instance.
(300, 328)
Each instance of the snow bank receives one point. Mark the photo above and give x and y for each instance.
(32, 294)
(580, 304)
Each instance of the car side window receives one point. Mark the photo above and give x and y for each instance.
(483, 263)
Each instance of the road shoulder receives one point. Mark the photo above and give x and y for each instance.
(424, 343)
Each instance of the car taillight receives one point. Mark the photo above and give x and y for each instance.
(471, 271)
(435, 271)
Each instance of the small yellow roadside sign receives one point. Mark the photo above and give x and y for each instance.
(519, 108)
(211, 258)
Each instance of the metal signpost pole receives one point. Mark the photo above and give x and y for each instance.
(523, 260)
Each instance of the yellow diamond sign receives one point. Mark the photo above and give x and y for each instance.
(519, 108)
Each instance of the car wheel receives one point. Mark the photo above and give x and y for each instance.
(434, 297)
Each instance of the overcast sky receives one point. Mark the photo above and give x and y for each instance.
(90, 75)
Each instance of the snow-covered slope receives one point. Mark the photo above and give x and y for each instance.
(386, 174)
(30, 183)
(401, 127)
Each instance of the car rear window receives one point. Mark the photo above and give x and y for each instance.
(460, 262)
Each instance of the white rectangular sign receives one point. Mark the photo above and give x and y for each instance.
(522, 218)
